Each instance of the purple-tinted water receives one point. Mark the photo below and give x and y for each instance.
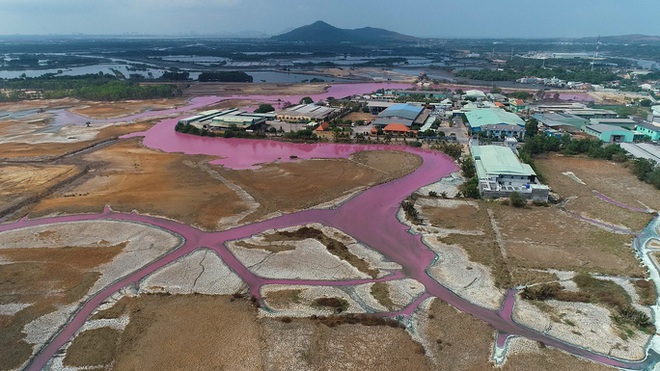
(370, 217)
(620, 204)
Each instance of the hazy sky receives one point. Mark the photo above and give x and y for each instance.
(424, 18)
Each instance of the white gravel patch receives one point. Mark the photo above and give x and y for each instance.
(39, 331)
(200, 272)
(12, 308)
(571, 175)
(582, 324)
(310, 260)
(448, 184)
(471, 281)
(304, 307)
(403, 292)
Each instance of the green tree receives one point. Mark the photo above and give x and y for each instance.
(531, 127)
(468, 168)
(263, 108)
(517, 200)
(306, 100)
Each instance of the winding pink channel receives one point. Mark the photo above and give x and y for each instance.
(369, 217)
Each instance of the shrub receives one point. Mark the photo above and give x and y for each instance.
(517, 200)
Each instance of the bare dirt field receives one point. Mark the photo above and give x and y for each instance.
(107, 110)
(540, 358)
(230, 89)
(458, 341)
(57, 147)
(355, 116)
(217, 332)
(611, 179)
(290, 186)
(212, 332)
(44, 279)
(134, 177)
(21, 182)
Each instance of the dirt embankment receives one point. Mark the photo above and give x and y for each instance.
(218, 332)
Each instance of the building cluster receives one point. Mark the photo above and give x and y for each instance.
(575, 118)
(225, 119)
(500, 173)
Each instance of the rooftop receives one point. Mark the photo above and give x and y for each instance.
(498, 160)
(602, 128)
(492, 116)
(402, 110)
(396, 127)
(560, 119)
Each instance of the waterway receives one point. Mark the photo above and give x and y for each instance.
(369, 217)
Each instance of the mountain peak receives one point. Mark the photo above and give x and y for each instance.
(323, 32)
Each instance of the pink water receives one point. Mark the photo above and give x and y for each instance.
(369, 217)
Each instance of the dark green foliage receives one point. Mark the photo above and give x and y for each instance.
(647, 171)
(304, 134)
(531, 128)
(415, 144)
(468, 168)
(517, 200)
(175, 75)
(264, 108)
(97, 87)
(453, 150)
(224, 76)
(541, 292)
(306, 100)
(520, 95)
(470, 189)
(408, 207)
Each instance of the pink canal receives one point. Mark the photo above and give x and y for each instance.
(370, 217)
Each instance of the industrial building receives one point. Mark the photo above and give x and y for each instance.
(650, 130)
(478, 119)
(402, 113)
(305, 113)
(219, 119)
(613, 134)
(501, 173)
(561, 122)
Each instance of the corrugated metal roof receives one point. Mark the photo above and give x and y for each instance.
(492, 116)
(402, 110)
(497, 160)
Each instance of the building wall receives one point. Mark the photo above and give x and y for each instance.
(653, 134)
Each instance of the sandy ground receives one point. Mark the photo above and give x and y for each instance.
(27, 145)
(201, 272)
(216, 332)
(134, 177)
(454, 340)
(355, 116)
(528, 355)
(108, 110)
(611, 179)
(586, 325)
(47, 270)
(229, 89)
(21, 182)
(304, 184)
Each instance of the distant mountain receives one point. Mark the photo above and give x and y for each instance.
(322, 32)
(625, 39)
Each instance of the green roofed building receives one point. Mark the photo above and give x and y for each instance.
(500, 172)
(479, 118)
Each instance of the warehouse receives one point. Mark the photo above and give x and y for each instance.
(613, 134)
(501, 173)
(305, 113)
(402, 113)
(479, 118)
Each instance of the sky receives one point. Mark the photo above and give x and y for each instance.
(421, 18)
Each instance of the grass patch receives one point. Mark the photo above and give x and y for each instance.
(270, 248)
(646, 291)
(522, 277)
(282, 298)
(93, 348)
(484, 250)
(381, 292)
(593, 290)
(336, 248)
(357, 318)
(337, 304)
